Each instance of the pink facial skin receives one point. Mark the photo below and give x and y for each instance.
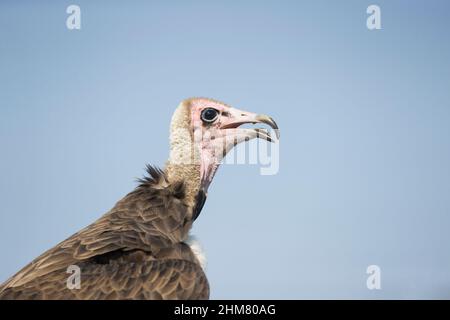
(217, 138)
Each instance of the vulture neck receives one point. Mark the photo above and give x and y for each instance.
(184, 160)
(189, 175)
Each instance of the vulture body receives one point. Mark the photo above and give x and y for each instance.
(139, 250)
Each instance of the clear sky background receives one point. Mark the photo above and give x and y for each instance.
(365, 135)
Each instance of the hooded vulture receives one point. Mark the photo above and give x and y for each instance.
(140, 248)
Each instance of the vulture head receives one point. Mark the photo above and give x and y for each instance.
(202, 132)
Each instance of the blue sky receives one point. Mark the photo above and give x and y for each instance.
(364, 153)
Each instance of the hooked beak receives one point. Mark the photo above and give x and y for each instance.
(262, 118)
(234, 118)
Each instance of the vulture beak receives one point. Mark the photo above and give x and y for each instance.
(233, 118)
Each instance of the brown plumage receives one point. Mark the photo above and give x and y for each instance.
(138, 249)
(135, 251)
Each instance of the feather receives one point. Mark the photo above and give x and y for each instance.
(134, 251)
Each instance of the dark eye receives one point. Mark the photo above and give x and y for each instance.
(209, 115)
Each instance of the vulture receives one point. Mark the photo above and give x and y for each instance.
(140, 249)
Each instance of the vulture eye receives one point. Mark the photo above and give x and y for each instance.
(209, 115)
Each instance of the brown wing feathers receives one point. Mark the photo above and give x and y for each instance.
(135, 251)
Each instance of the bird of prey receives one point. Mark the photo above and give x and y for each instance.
(140, 249)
